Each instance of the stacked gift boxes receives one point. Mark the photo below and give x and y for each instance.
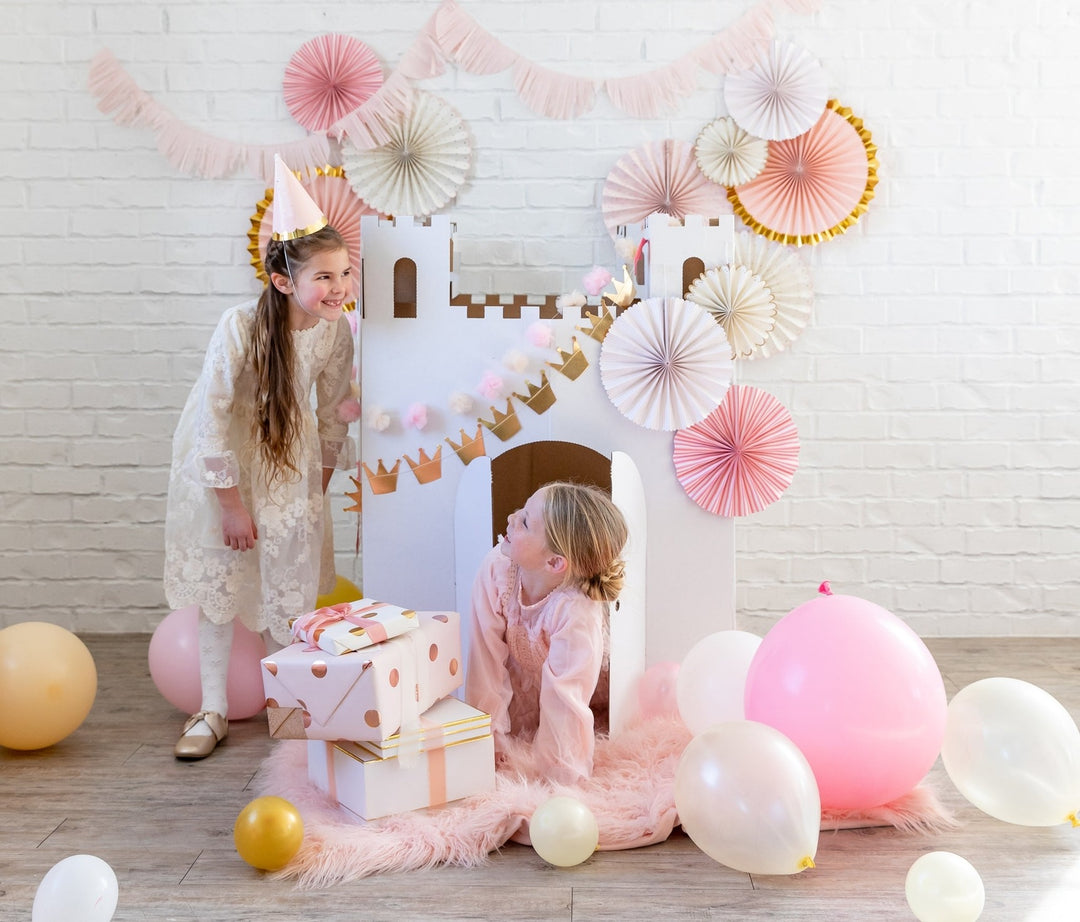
(368, 685)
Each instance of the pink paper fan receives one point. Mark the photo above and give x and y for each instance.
(327, 78)
(342, 207)
(813, 186)
(742, 457)
(659, 176)
(665, 363)
(780, 96)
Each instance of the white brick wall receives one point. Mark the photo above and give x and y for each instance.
(936, 391)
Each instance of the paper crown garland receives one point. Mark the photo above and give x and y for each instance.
(356, 496)
(469, 449)
(539, 397)
(426, 469)
(573, 363)
(504, 425)
(295, 212)
(383, 480)
(599, 324)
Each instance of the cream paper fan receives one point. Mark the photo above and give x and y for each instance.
(781, 96)
(789, 282)
(729, 155)
(741, 303)
(665, 363)
(422, 166)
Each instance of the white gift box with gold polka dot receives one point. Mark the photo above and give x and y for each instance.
(365, 694)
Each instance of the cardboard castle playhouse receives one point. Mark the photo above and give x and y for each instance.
(443, 467)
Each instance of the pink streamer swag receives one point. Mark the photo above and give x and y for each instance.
(450, 34)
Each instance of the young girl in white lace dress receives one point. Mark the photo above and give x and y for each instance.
(245, 529)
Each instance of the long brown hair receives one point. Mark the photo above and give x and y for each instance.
(277, 410)
(583, 525)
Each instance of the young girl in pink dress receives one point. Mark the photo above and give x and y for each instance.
(537, 632)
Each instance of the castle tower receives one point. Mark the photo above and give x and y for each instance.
(679, 251)
(407, 266)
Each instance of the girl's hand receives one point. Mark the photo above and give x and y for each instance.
(238, 528)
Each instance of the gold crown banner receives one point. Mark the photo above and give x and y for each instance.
(574, 362)
(357, 497)
(540, 398)
(469, 449)
(383, 480)
(426, 469)
(599, 324)
(505, 425)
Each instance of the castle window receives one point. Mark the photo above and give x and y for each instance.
(405, 289)
(692, 268)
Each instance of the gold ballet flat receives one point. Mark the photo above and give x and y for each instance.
(201, 745)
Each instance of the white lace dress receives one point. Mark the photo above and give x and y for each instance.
(213, 447)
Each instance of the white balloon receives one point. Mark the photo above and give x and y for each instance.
(1014, 752)
(943, 887)
(747, 797)
(80, 887)
(563, 831)
(711, 681)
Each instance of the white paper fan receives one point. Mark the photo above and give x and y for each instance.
(781, 96)
(659, 176)
(729, 155)
(789, 282)
(741, 303)
(665, 363)
(420, 169)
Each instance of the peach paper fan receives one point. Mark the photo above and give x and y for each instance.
(740, 302)
(342, 207)
(780, 96)
(742, 457)
(421, 168)
(665, 363)
(659, 176)
(729, 155)
(814, 186)
(790, 285)
(328, 77)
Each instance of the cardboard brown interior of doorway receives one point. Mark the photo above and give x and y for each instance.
(518, 473)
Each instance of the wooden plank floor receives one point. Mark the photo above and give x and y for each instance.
(113, 789)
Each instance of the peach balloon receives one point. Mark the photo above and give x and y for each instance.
(48, 683)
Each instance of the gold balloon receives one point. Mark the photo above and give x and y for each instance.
(343, 591)
(48, 683)
(268, 832)
(563, 831)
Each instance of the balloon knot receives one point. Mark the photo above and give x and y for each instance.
(1072, 819)
(825, 588)
(807, 862)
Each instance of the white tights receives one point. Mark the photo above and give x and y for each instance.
(215, 643)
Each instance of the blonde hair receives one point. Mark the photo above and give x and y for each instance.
(277, 410)
(582, 524)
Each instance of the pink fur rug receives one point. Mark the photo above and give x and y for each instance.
(631, 793)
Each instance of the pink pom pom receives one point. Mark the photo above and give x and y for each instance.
(491, 386)
(348, 410)
(595, 280)
(540, 334)
(416, 416)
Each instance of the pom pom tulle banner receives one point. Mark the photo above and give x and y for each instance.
(449, 35)
(742, 457)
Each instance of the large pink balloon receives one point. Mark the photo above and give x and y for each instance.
(174, 665)
(857, 691)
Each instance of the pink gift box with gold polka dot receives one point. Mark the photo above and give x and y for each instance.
(366, 694)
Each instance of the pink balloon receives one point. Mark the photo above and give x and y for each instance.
(656, 691)
(174, 665)
(857, 691)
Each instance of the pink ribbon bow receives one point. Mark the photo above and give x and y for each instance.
(308, 627)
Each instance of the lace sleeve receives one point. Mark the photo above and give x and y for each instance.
(331, 388)
(213, 463)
